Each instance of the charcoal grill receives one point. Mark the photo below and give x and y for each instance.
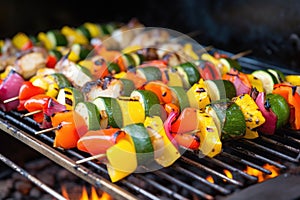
(187, 177)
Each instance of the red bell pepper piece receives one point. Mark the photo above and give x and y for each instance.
(27, 45)
(28, 90)
(184, 139)
(47, 105)
(239, 80)
(98, 141)
(209, 71)
(51, 61)
(293, 98)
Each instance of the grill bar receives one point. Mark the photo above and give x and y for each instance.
(233, 169)
(280, 144)
(184, 185)
(31, 178)
(203, 180)
(255, 166)
(271, 151)
(209, 170)
(259, 157)
(162, 188)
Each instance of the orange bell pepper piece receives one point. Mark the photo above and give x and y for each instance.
(70, 127)
(288, 92)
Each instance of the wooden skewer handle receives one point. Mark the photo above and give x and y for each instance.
(11, 99)
(31, 113)
(90, 158)
(46, 130)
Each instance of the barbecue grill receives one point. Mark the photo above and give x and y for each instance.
(187, 178)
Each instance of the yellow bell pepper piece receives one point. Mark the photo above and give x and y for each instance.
(216, 62)
(74, 36)
(188, 50)
(210, 143)
(198, 95)
(255, 83)
(132, 112)
(131, 49)
(167, 154)
(120, 75)
(252, 114)
(47, 83)
(122, 159)
(45, 40)
(4, 74)
(93, 29)
(293, 79)
(20, 39)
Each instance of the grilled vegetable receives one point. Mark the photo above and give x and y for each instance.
(132, 112)
(239, 80)
(252, 114)
(161, 90)
(51, 83)
(288, 92)
(89, 113)
(28, 90)
(47, 105)
(98, 141)
(198, 95)
(180, 97)
(110, 112)
(267, 78)
(96, 65)
(69, 96)
(166, 153)
(189, 73)
(220, 89)
(10, 88)
(280, 107)
(70, 127)
(142, 143)
(193, 121)
(264, 106)
(228, 118)
(122, 159)
(149, 101)
(208, 70)
(22, 41)
(149, 73)
(76, 74)
(255, 83)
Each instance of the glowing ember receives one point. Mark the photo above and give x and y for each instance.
(260, 175)
(85, 196)
(210, 179)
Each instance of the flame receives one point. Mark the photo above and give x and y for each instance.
(85, 196)
(210, 179)
(260, 175)
(228, 173)
(64, 192)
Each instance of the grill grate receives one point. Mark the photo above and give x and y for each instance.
(187, 178)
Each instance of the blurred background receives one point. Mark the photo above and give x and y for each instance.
(270, 28)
